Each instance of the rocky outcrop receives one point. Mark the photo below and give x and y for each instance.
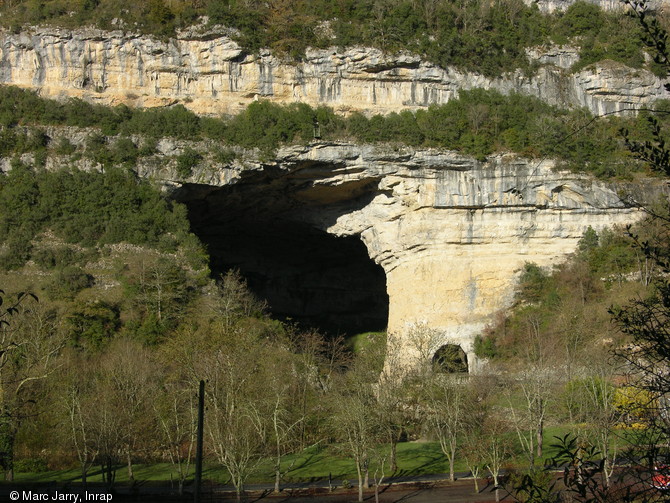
(553, 5)
(211, 74)
(451, 233)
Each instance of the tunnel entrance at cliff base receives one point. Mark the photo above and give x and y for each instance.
(305, 275)
(450, 359)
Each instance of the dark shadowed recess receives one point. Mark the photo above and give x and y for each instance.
(451, 359)
(304, 274)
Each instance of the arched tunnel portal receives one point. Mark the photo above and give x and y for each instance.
(304, 274)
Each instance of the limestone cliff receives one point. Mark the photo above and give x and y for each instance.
(451, 233)
(211, 74)
(553, 5)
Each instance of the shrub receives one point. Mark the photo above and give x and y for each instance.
(186, 161)
(64, 147)
(67, 282)
(31, 465)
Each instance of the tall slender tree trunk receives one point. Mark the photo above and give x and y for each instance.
(84, 473)
(277, 477)
(359, 471)
(131, 475)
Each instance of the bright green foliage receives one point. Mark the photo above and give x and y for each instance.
(175, 121)
(65, 147)
(266, 126)
(49, 258)
(124, 152)
(601, 35)
(612, 253)
(485, 347)
(589, 241)
(81, 207)
(534, 283)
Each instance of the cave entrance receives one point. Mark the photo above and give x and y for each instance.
(451, 359)
(306, 275)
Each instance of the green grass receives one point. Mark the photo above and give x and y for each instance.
(359, 342)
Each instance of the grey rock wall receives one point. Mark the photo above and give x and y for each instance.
(210, 74)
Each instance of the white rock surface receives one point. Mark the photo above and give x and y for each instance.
(210, 74)
(451, 233)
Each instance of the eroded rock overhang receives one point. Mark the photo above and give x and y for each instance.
(450, 233)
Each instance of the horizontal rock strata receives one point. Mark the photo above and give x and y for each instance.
(211, 74)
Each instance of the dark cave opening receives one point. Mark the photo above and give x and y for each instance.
(304, 274)
(451, 359)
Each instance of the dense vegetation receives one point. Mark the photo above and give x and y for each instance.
(85, 208)
(487, 37)
(478, 123)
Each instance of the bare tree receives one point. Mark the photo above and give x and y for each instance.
(76, 397)
(356, 417)
(497, 448)
(28, 350)
(129, 373)
(236, 399)
(535, 382)
(596, 409)
(448, 404)
(176, 415)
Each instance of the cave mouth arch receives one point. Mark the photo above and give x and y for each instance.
(451, 359)
(305, 275)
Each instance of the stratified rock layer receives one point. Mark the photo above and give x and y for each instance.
(451, 233)
(211, 74)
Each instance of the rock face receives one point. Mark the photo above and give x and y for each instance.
(450, 233)
(210, 74)
(552, 5)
